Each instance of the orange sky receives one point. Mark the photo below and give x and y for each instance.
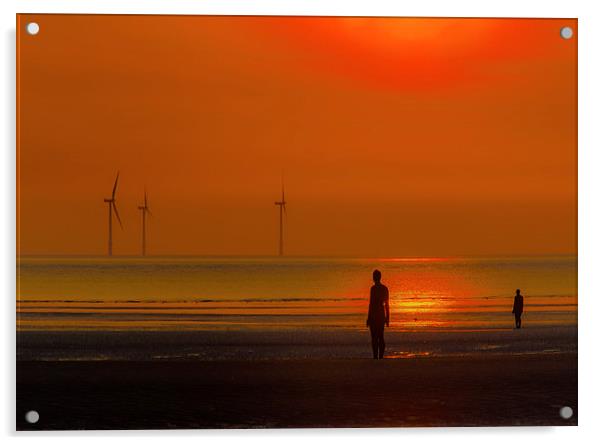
(396, 137)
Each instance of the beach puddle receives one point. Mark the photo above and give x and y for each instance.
(492, 347)
(407, 354)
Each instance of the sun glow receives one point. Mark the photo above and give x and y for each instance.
(414, 31)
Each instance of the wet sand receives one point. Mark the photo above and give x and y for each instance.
(284, 344)
(471, 390)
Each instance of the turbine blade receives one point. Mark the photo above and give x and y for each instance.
(145, 200)
(117, 214)
(115, 186)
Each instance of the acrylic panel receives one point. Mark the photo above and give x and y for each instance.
(251, 222)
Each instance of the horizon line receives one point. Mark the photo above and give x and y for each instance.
(376, 257)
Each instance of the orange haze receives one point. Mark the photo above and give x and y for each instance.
(395, 137)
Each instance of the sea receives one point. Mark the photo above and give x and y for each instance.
(266, 293)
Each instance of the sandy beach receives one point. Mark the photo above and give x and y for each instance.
(286, 344)
(491, 390)
(295, 378)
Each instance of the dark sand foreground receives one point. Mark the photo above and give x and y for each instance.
(489, 390)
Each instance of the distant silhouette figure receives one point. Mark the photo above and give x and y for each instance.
(378, 315)
(517, 309)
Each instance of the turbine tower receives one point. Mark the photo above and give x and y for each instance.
(282, 205)
(144, 209)
(112, 206)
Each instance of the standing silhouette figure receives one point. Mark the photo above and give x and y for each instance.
(517, 309)
(378, 315)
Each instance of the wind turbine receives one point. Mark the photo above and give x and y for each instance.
(282, 205)
(112, 206)
(144, 209)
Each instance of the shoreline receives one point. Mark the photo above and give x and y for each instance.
(289, 344)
